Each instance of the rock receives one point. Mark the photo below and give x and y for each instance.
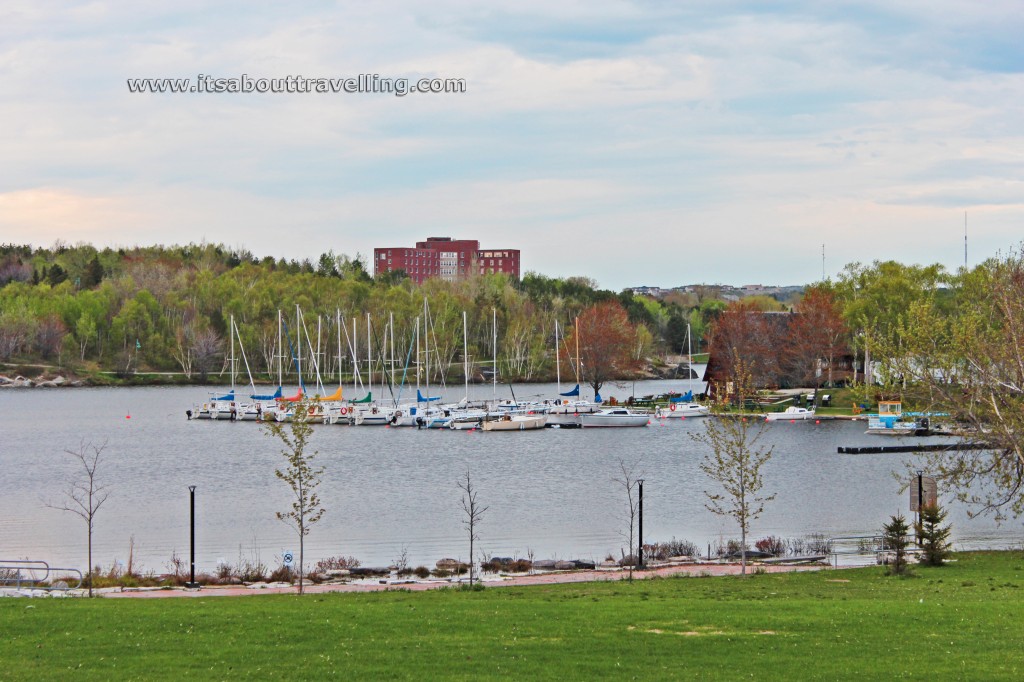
(369, 570)
(447, 564)
(585, 565)
(46, 384)
(545, 564)
(4, 380)
(564, 566)
(338, 573)
(628, 560)
(59, 380)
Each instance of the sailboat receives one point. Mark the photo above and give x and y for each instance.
(684, 406)
(566, 411)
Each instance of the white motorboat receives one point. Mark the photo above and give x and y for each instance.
(682, 411)
(615, 416)
(791, 413)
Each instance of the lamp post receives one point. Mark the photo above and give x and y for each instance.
(192, 563)
(920, 505)
(640, 531)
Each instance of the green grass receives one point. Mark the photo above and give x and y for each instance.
(963, 620)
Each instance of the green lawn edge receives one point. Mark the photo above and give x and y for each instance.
(962, 620)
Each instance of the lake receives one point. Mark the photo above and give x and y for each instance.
(548, 492)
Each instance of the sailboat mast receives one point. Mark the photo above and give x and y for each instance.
(578, 372)
(337, 321)
(391, 317)
(426, 345)
(558, 363)
(369, 355)
(465, 353)
(494, 341)
(417, 353)
(232, 352)
(689, 359)
(298, 344)
(280, 351)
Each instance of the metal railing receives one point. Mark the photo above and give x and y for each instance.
(37, 575)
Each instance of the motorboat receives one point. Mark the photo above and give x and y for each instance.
(791, 413)
(615, 416)
(682, 411)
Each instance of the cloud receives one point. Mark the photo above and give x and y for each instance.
(605, 139)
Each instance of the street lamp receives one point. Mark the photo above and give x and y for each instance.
(640, 532)
(192, 506)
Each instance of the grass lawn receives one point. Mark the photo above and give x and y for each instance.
(963, 620)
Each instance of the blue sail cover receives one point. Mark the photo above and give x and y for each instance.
(573, 392)
(277, 394)
(684, 398)
(229, 396)
(597, 398)
(421, 399)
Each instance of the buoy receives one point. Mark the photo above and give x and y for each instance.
(817, 421)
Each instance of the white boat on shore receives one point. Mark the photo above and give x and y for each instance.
(615, 417)
(791, 413)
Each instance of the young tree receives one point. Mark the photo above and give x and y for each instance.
(629, 479)
(895, 540)
(934, 536)
(745, 331)
(735, 460)
(84, 494)
(301, 475)
(473, 513)
(607, 343)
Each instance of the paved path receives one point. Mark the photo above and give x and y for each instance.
(387, 584)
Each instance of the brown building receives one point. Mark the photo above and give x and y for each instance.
(447, 258)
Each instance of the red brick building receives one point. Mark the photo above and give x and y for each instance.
(447, 258)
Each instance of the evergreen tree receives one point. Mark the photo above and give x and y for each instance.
(93, 273)
(895, 540)
(934, 536)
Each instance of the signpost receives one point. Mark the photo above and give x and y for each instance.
(924, 492)
(288, 558)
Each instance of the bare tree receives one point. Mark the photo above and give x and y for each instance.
(473, 513)
(301, 476)
(206, 347)
(735, 461)
(629, 479)
(84, 495)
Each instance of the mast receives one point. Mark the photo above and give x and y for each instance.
(280, 351)
(578, 372)
(417, 353)
(689, 359)
(426, 345)
(355, 352)
(391, 317)
(465, 353)
(369, 357)
(558, 362)
(337, 318)
(232, 352)
(494, 340)
(298, 344)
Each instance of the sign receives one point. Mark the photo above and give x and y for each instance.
(928, 487)
(288, 558)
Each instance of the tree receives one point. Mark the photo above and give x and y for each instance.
(629, 479)
(895, 540)
(607, 342)
(934, 536)
(205, 348)
(84, 495)
(817, 336)
(301, 475)
(744, 331)
(969, 362)
(473, 512)
(735, 460)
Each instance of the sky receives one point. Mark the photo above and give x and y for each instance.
(635, 143)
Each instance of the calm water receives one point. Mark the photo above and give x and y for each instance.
(550, 491)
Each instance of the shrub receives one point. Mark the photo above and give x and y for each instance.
(336, 563)
(771, 545)
(281, 574)
(664, 550)
(818, 543)
(421, 572)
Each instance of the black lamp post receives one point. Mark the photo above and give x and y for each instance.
(640, 532)
(192, 505)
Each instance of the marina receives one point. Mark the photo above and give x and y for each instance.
(385, 489)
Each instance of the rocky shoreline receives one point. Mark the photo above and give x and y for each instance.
(22, 382)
